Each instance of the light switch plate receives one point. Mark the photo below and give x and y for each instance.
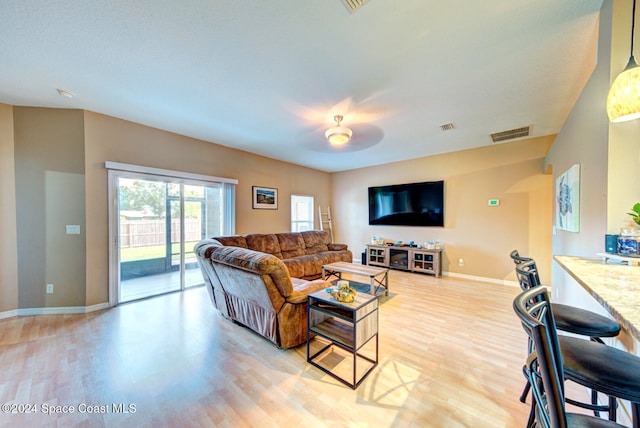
(73, 229)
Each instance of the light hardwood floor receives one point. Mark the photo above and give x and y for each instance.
(451, 354)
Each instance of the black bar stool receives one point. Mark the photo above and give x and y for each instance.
(546, 379)
(568, 318)
(599, 367)
(571, 320)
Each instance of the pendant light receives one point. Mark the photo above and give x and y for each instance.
(623, 102)
(338, 135)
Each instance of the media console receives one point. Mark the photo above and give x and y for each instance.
(406, 258)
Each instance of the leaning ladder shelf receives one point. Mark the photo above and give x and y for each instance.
(325, 221)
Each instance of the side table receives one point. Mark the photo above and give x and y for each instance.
(348, 326)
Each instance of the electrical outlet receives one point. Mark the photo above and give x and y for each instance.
(461, 262)
(49, 288)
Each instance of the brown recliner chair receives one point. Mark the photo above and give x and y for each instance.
(255, 289)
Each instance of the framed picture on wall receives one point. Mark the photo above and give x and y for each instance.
(265, 198)
(568, 200)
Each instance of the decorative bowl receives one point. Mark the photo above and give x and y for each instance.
(343, 292)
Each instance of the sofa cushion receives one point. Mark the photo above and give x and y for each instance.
(291, 244)
(266, 243)
(313, 265)
(204, 247)
(247, 259)
(295, 267)
(258, 262)
(337, 256)
(316, 241)
(292, 254)
(290, 241)
(232, 241)
(337, 247)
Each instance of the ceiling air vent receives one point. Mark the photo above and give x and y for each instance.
(511, 134)
(353, 5)
(448, 126)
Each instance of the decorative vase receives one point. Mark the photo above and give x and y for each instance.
(629, 242)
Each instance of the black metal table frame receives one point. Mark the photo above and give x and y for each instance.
(353, 350)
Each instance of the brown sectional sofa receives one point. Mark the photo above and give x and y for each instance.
(262, 280)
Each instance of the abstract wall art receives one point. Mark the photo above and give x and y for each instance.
(568, 200)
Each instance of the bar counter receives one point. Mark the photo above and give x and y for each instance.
(615, 286)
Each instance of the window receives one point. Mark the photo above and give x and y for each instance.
(301, 213)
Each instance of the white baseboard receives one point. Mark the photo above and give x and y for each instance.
(481, 278)
(54, 311)
(470, 277)
(9, 314)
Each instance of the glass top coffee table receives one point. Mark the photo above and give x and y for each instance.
(378, 277)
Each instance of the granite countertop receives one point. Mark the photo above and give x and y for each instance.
(615, 286)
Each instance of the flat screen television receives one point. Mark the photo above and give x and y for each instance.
(414, 204)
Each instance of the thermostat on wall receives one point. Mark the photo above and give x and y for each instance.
(493, 202)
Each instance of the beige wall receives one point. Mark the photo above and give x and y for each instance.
(49, 145)
(8, 242)
(110, 139)
(583, 140)
(482, 236)
(58, 149)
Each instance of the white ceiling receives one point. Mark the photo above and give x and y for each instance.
(267, 76)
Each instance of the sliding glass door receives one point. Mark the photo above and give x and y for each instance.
(158, 221)
(145, 245)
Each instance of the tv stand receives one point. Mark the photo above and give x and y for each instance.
(411, 259)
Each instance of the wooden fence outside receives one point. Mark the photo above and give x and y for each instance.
(148, 233)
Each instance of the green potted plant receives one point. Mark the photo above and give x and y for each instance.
(635, 213)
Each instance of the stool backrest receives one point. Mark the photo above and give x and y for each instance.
(531, 267)
(527, 274)
(517, 258)
(544, 365)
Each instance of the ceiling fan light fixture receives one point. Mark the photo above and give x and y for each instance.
(338, 135)
(623, 101)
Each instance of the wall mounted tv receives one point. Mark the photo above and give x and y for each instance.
(414, 204)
